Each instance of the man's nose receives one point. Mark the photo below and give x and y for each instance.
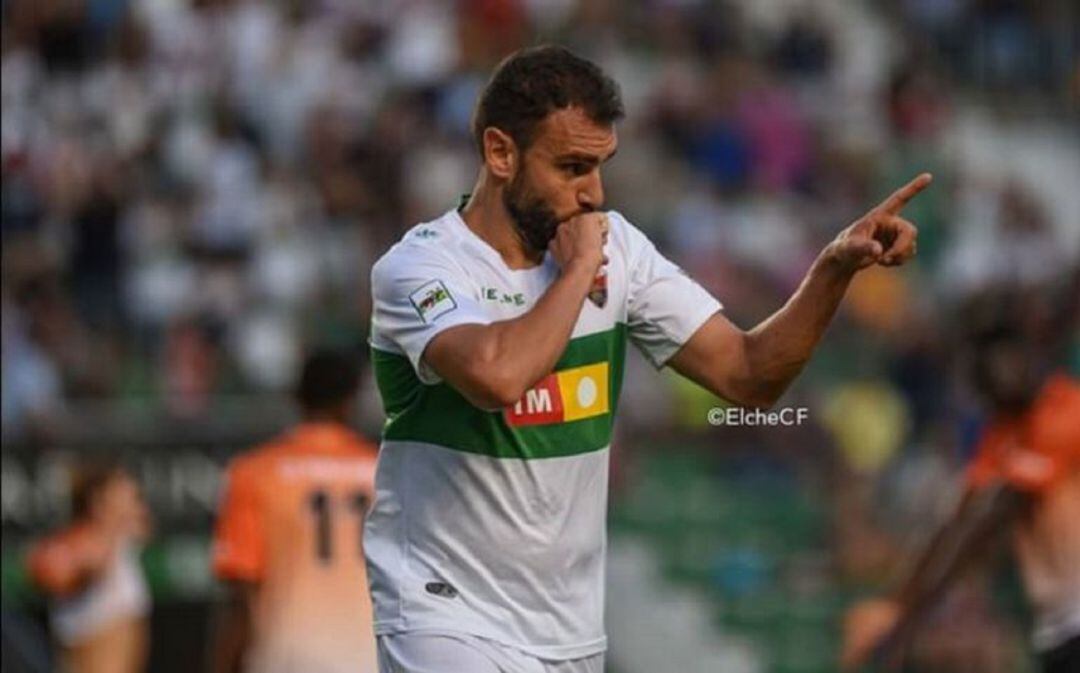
(591, 194)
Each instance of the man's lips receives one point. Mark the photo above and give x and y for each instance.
(570, 217)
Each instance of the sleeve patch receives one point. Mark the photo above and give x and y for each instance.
(432, 300)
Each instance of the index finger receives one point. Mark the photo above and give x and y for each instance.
(900, 197)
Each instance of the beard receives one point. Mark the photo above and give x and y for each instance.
(534, 220)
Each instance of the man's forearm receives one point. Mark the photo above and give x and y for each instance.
(981, 520)
(777, 349)
(531, 344)
(967, 539)
(755, 368)
(493, 365)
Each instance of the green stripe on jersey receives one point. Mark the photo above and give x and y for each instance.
(438, 414)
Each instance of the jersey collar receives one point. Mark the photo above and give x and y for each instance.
(323, 435)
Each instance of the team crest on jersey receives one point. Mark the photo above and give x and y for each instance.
(598, 290)
(567, 395)
(432, 300)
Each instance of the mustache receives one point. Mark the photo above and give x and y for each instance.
(583, 211)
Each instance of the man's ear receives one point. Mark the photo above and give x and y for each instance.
(501, 153)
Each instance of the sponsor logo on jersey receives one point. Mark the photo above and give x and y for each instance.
(598, 290)
(432, 300)
(444, 589)
(494, 294)
(567, 395)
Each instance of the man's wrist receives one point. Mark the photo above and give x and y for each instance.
(831, 262)
(580, 269)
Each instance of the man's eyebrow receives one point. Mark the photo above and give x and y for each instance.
(585, 158)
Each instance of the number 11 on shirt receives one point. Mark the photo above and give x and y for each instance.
(321, 506)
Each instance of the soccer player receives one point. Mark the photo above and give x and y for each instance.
(288, 539)
(498, 338)
(91, 572)
(1023, 481)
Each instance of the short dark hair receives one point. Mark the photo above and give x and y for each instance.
(327, 379)
(991, 318)
(531, 83)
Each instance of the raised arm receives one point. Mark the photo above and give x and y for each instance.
(754, 368)
(492, 365)
(878, 627)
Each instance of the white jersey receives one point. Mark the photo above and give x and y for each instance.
(492, 523)
(119, 593)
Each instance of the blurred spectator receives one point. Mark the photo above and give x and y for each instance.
(32, 394)
(174, 159)
(90, 569)
(1024, 481)
(288, 541)
(1004, 239)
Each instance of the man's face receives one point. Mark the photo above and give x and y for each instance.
(1008, 374)
(119, 501)
(559, 176)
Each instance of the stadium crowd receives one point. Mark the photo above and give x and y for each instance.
(192, 190)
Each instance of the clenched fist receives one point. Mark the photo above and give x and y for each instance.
(580, 241)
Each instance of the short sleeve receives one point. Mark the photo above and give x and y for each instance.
(665, 306)
(52, 564)
(1023, 469)
(983, 469)
(239, 550)
(1035, 455)
(417, 296)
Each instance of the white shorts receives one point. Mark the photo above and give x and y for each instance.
(438, 653)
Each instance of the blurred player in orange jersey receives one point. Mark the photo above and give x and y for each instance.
(1023, 481)
(288, 539)
(90, 569)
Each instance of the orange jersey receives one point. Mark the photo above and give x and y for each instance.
(1038, 450)
(55, 562)
(1039, 453)
(290, 521)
